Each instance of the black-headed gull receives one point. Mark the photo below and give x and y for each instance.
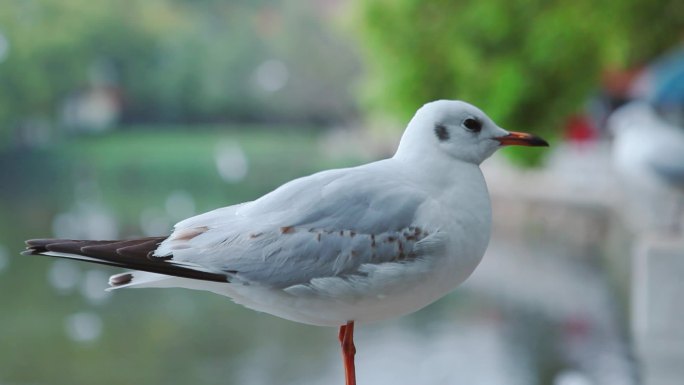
(648, 155)
(340, 246)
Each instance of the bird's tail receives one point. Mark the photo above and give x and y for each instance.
(135, 254)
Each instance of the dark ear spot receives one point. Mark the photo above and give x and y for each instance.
(441, 132)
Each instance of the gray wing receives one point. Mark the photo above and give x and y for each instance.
(328, 224)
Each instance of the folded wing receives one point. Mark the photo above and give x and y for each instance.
(328, 224)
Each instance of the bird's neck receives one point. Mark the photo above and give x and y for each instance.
(437, 169)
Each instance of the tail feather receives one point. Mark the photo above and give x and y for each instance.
(135, 254)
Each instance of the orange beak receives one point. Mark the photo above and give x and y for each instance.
(521, 139)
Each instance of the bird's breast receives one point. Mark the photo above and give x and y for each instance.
(462, 214)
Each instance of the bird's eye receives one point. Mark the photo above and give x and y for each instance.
(472, 125)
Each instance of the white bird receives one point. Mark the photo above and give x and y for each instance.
(340, 246)
(648, 155)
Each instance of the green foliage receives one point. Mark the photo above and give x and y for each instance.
(528, 63)
(171, 61)
(53, 44)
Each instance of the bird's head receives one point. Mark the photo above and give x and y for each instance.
(459, 130)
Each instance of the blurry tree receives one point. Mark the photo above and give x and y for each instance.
(53, 46)
(172, 60)
(528, 63)
(263, 60)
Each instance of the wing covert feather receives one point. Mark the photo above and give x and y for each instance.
(327, 224)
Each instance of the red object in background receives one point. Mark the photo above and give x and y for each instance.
(578, 128)
(617, 83)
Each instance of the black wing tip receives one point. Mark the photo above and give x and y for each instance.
(41, 245)
(39, 242)
(36, 246)
(132, 254)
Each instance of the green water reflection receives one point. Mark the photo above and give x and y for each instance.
(56, 331)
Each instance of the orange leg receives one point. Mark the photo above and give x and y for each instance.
(348, 351)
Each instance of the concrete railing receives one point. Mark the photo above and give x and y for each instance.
(577, 200)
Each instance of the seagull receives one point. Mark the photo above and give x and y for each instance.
(338, 247)
(648, 155)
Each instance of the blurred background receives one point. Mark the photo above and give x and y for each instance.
(120, 118)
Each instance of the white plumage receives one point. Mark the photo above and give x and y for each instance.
(648, 156)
